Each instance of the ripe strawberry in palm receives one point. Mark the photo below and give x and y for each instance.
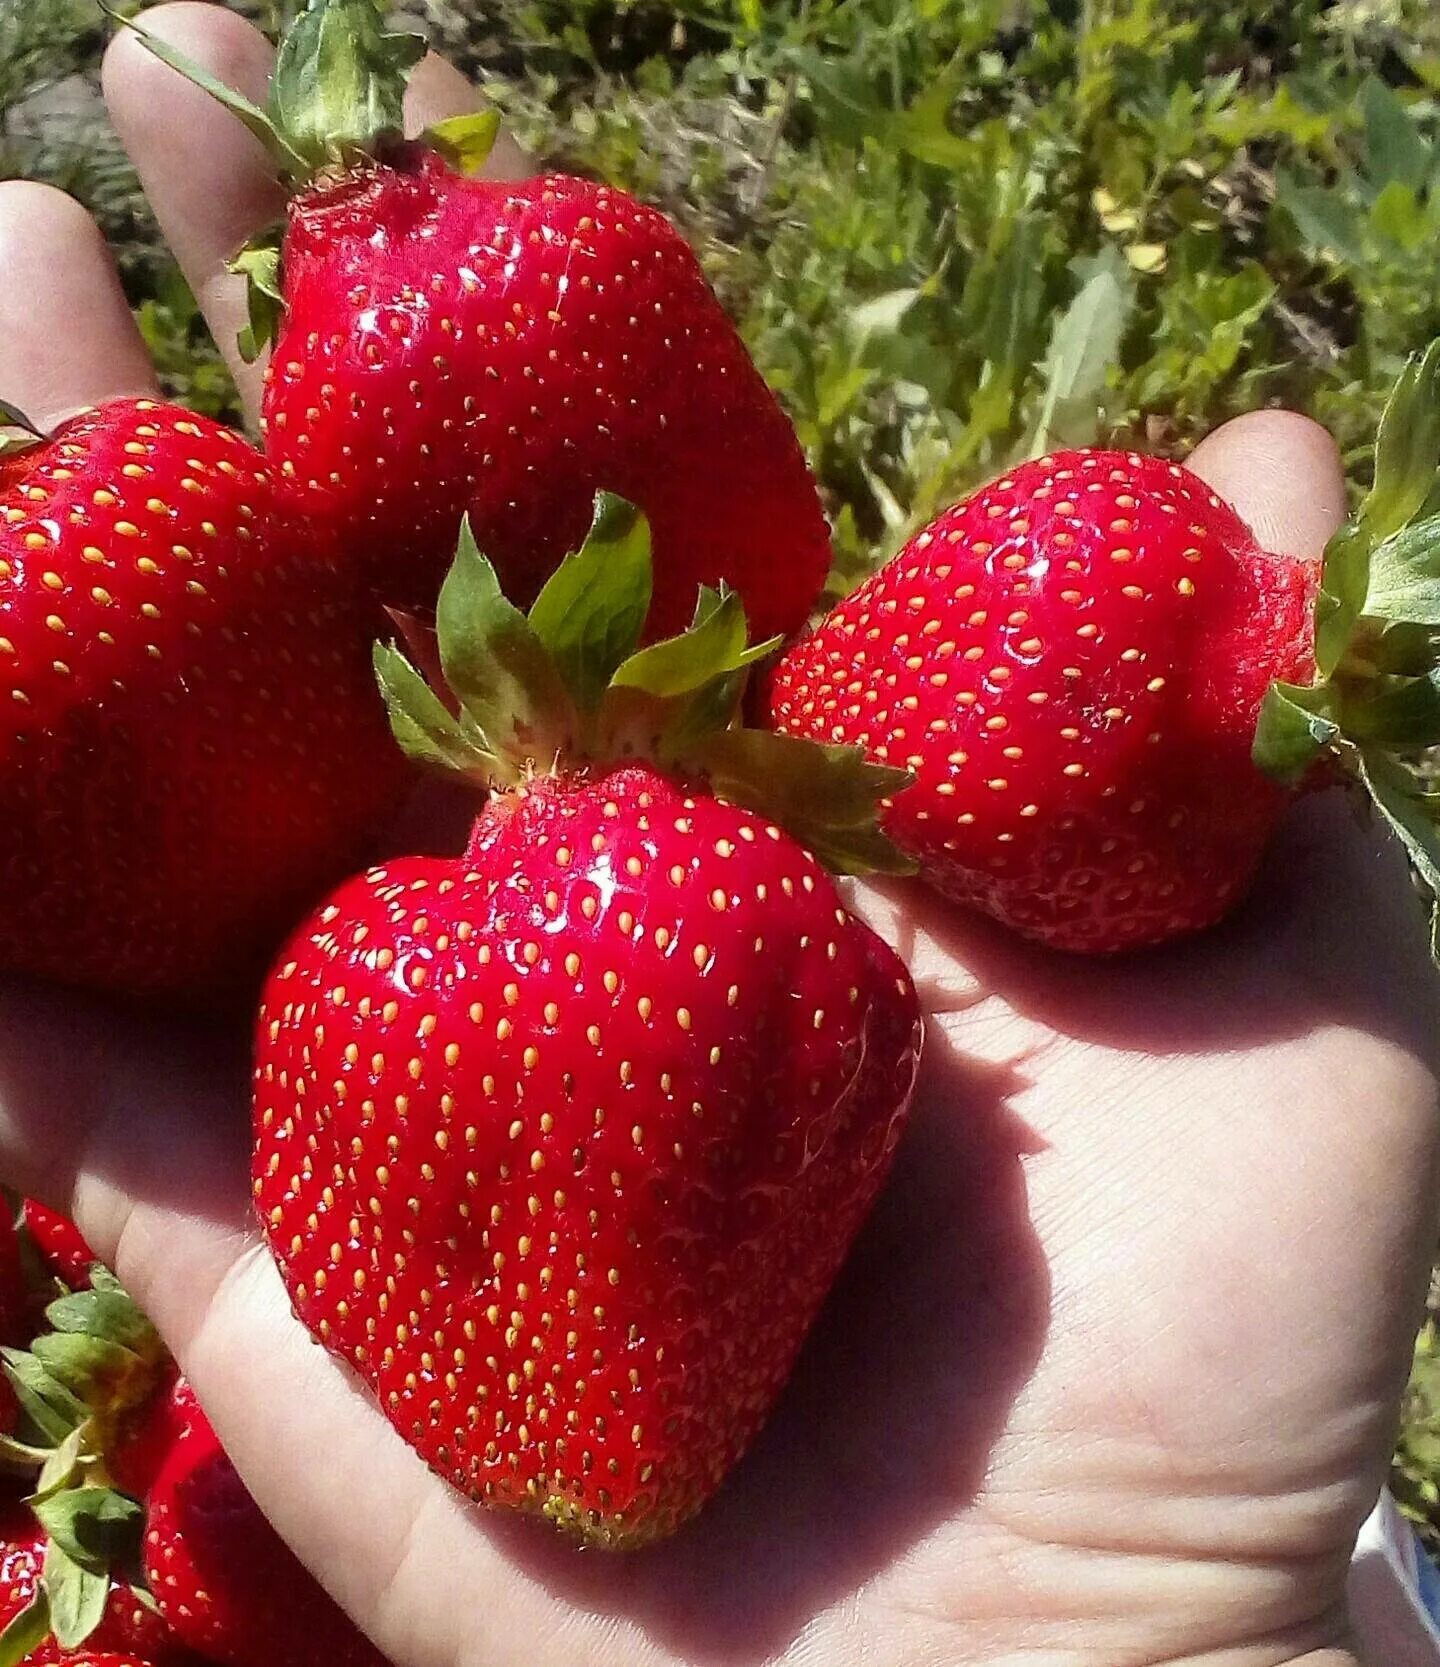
(452, 344)
(1107, 691)
(221, 1575)
(189, 747)
(604, 1100)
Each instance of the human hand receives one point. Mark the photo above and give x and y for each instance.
(1111, 1376)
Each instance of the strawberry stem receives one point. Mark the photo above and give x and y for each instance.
(1374, 706)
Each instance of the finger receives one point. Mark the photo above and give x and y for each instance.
(67, 339)
(209, 181)
(1282, 473)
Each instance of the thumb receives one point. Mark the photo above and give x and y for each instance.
(1282, 475)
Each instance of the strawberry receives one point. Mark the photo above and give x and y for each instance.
(561, 1142)
(223, 1578)
(16, 1305)
(59, 1243)
(191, 747)
(129, 1624)
(1107, 691)
(451, 344)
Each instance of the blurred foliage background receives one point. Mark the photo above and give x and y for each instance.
(954, 231)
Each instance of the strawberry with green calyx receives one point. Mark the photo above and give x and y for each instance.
(70, 1567)
(191, 745)
(1107, 692)
(444, 344)
(561, 1143)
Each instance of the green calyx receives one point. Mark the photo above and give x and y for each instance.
(568, 687)
(1374, 706)
(336, 99)
(17, 432)
(100, 1360)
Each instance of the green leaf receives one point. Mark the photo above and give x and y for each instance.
(25, 1632)
(714, 646)
(1405, 716)
(291, 164)
(421, 724)
(97, 1528)
(1395, 149)
(1405, 576)
(48, 1404)
(503, 675)
(465, 141)
(1084, 348)
(260, 266)
(826, 797)
(101, 1373)
(59, 1468)
(339, 82)
(1400, 797)
(112, 1316)
(1399, 216)
(1407, 448)
(591, 613)
(1294, 729)
(76, 1596)
(11, 416)
(1323, 218)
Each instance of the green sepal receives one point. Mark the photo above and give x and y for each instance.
(1404, 577)
(465, 141)
(63, 1462)
(592, 611)
(1403, 717)
(426, 730)
(105, 1376)
(75, 1595)
(23, 1458)
(98, 1528)
(111, 1315)
(26, 1632)
(259, 264)
(338, 90)
(17, 432)
(1294, 730)
(825, 796)
(48, 1404)
(1413, 815)
(505, 678)
(715, 645)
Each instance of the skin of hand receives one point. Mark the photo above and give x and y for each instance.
(1112, 1376)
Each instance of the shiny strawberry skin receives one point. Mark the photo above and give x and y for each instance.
(224, 1579)
(562, 1144)
(1071, 662)
(191, 745)
(508, 348)
(62, 1246)
(129, 1627)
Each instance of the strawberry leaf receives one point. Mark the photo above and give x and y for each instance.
(714, 646)
(339, 82)
(1400, 797)
(95, 1527)
(60, 1467)
(591, 613)
(1405, 576)
(111, 1316)
(465, 141)
(1407, 449)
(49, 1405)
(102, 1374)
(1404, 716)
(506, 679)
(25, 1632)
(1294, 729)
(76, 1596)
(260, 266)
(422, 725)
(826, 796)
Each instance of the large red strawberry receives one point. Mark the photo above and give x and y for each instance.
(1074, 661)
(224, 1580)
(453, 344)
(561, 1142)
(190, 746)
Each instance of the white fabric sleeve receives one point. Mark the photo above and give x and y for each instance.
(1390, 1582)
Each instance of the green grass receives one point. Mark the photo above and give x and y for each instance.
(955, 232)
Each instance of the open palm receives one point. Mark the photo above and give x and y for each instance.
(1112, 1374)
